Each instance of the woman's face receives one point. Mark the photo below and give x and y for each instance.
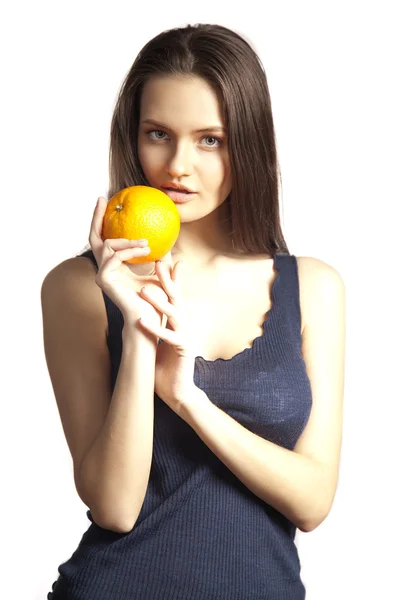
(171, 148)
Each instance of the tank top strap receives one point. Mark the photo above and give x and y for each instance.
(115, 325)
(89, 254)
(286, 295)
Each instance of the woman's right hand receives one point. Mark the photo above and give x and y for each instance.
(122, 281)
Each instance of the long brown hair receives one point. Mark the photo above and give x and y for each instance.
(230, 65)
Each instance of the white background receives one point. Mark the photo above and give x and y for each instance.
(334, 82)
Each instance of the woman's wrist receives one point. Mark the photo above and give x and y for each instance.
(133, 332)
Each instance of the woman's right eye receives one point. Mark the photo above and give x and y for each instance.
(155, 131)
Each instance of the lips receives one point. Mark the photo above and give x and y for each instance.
(177, 190)
(174, 186)
(179, 196)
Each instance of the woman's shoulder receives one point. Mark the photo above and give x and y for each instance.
(313, 270)
(73, 280)
(315, 276)
(73, 269)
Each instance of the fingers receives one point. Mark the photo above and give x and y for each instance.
(170, 284)
(177, 272)
(164, 307)
(168, 280)
(95, 238)
(112, 258)
(167, 259)
(111, 253)
(163, 333)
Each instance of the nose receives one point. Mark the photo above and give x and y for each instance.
(180, 162)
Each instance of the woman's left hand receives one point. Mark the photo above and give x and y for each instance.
(174, 369)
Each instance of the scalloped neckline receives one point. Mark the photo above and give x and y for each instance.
(269, 315)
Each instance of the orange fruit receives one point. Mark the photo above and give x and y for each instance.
(143, 212)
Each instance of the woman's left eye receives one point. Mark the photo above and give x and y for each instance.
(209, 137)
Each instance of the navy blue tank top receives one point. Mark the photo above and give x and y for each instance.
(201, 533)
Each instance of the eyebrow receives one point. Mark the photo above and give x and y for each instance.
(212, 128)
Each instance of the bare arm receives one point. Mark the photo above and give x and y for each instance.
(109, 433)
(114, 473)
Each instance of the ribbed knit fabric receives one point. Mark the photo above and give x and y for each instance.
(201, 533)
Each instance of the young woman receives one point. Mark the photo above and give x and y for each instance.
(202, 444)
